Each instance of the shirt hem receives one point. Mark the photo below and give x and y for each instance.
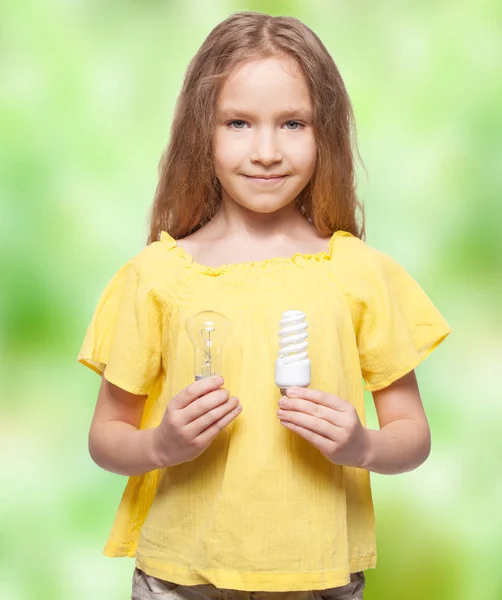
(389, 380)
(100, 367)
(117, 550)
(255, 581)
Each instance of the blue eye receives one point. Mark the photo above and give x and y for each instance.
(296, 123)
(238, 121)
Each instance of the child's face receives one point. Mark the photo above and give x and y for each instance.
(264, 127)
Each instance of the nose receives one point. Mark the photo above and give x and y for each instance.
(266, 148)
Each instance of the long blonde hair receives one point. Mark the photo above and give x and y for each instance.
(188, 193)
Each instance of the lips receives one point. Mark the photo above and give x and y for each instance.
(265, 176)
(266, 182)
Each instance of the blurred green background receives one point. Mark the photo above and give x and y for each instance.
(86, 100)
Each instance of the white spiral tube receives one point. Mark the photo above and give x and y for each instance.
(293, 336)
(292, 367)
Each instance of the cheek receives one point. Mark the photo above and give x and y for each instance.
(226, 155)
(304, 157)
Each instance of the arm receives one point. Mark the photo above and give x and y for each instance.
(403, 441)
(115, 442)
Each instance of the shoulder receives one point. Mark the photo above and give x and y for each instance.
(353, 255)
(154, 259)
(152, 273)
(361, 268)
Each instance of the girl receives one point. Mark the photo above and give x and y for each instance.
(235, 490)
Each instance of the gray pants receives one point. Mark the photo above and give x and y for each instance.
(146, 587)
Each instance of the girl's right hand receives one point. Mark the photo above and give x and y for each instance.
(193, 418)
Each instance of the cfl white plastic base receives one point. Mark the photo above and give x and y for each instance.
(294, 374)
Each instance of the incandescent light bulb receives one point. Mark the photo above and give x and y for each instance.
(207, 331)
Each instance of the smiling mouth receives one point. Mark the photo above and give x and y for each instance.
(266, 180)
(266, 177)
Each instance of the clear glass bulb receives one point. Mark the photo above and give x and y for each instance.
(207, 331)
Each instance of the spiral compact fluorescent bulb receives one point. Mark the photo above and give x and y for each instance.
(292, 367)
(207, 331)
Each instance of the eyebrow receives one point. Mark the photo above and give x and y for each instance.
(303, 113)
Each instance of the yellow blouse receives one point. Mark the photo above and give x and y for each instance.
(261, 508)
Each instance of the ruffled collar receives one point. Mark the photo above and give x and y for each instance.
(297, 259)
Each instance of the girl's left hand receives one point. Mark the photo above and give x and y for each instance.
(329, 423)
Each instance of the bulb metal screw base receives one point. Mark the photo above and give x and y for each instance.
(283, 389)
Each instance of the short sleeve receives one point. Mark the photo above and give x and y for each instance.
(123, 340)
(396, 324)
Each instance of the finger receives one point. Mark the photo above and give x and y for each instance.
(195, 390)
(319, 441)
(319, 397)
(314, 424)
(211, 432)
(208, 417)
(312, 408)
(202, 405)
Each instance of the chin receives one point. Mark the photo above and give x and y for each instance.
(265, 207)
(263, 203)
